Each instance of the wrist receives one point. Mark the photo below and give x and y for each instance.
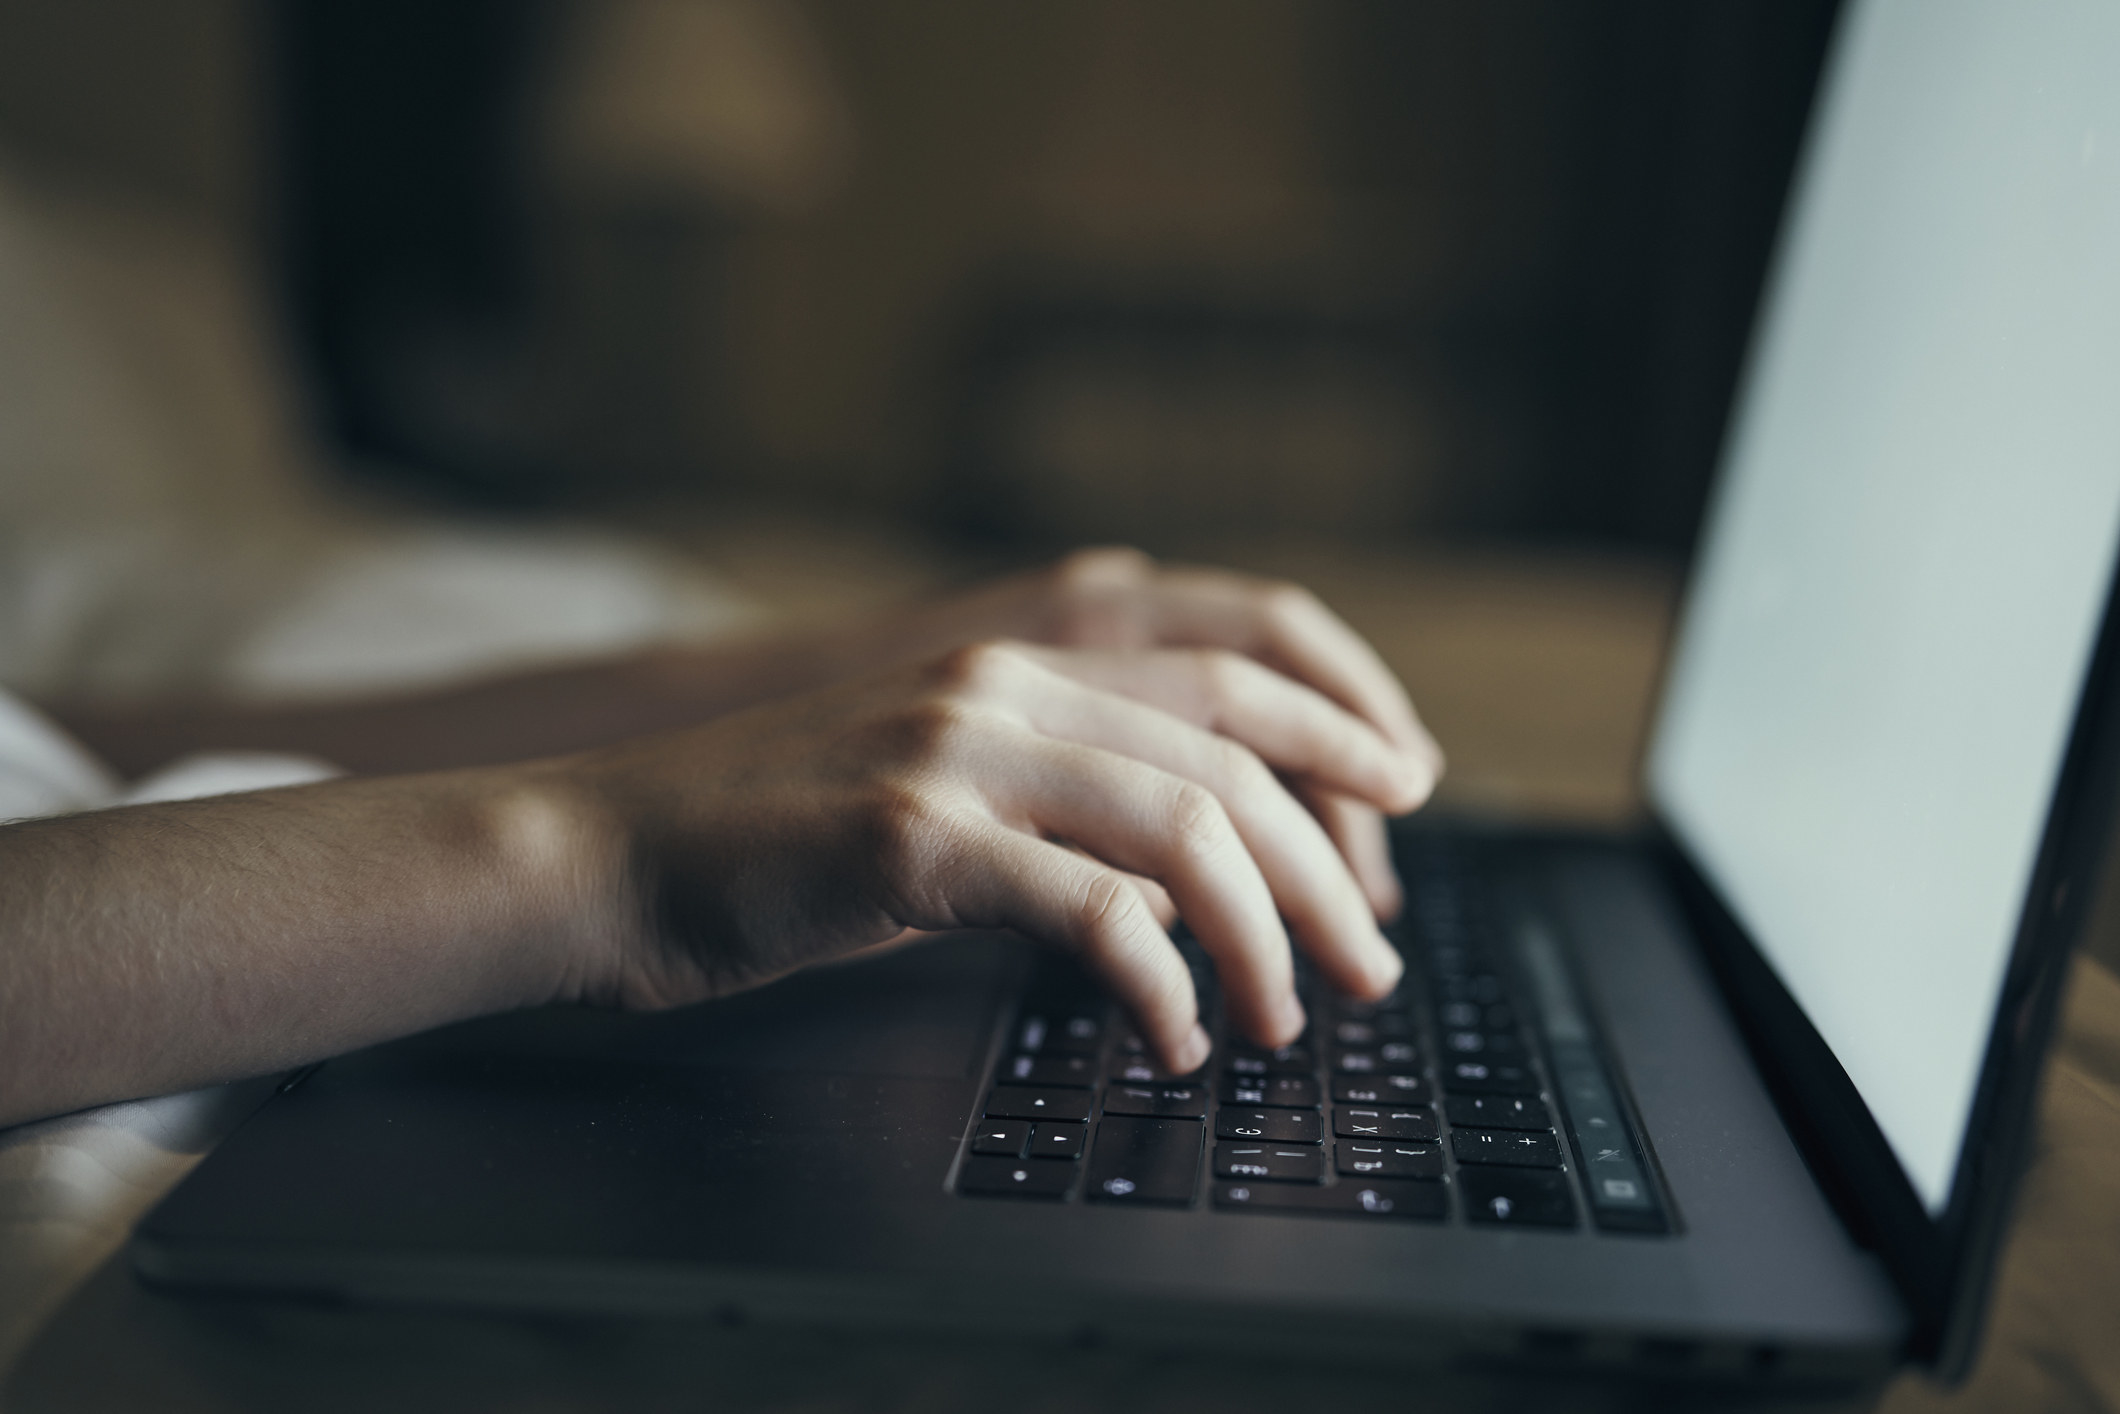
(559, 854)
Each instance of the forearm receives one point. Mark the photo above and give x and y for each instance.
(159, 947)
(488, 721)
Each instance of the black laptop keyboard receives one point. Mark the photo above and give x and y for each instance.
(1476, 1089)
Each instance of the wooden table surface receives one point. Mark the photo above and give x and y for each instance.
(1537, 675)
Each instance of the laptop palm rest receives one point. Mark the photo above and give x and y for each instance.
(568, 1133)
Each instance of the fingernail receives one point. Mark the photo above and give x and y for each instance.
(1193, 1054)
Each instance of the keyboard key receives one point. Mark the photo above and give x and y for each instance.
(1272, 1163)
(1024, 1102)
(1471, 1077)
(1256, 1060)
(1023, 1178)
(1450, 959)
(1516, 1147)
(1159, 1101)
(1389, 1160)
(1005, 1137)
(1296, 1092)
(1076, 1034)
(1420, 1202)
(1379, 1089)
(1353, 1123)
(1484, 990)
(1133, 1070)
(1523, 1197)
(1498, 1112)
(1474, 1016)
(1144, 1161)
(1140, 1070)
(1051, 1140)
(1396, 1058)
(1488, 1045)
(1273, 1126)
(1074, 1072)
(1352, 1062)
(1375, 1030)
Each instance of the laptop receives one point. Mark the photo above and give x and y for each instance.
(1743, 1092)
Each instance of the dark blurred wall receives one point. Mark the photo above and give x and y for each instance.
(406, 227)
(1359, 267)
(151, 96)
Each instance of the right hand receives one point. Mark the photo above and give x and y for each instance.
(1060, 793)
(1122, 600)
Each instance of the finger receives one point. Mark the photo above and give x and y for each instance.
(1311, 884)
(1288, 628)
(1148, 821)
(1359, 833)
(1054, 895)
(1153, 894)
(1161, 906)
(1295, 729)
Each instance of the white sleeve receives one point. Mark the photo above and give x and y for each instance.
(43, 771)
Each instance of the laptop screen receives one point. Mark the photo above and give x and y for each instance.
(1903, 574)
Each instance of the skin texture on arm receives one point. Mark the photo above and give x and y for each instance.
(1074, 796)
(160, 947)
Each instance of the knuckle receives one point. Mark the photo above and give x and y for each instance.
(909, 828)
(931, 728)
(1199, 827)
(1286, 602)
(1101, 567)
(977, 669)
(1106, 909)
(1113, 930)
(1094, 596)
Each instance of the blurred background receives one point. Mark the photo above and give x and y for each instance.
(1432, 304)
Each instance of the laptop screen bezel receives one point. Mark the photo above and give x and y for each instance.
(1943, 1264)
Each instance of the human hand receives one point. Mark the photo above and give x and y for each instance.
(1118, 599)
(1071, 796)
